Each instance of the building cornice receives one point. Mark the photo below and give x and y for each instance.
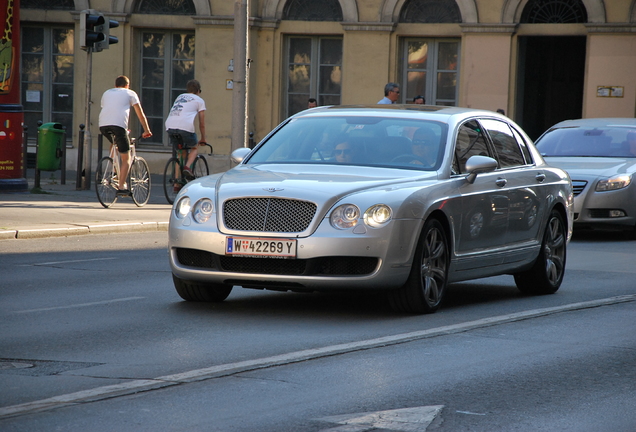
(369, 26)
(489, 28)
(612, 28)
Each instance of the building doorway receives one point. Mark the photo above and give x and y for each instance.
(550, 81)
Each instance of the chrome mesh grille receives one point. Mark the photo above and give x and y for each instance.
(268, 214)
(578, 186)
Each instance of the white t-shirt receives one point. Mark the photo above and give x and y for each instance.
(183, 112)
(116, 103)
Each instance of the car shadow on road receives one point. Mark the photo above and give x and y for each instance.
(361, 305)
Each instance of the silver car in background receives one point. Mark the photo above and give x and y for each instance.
(404, 199)
(600, 156)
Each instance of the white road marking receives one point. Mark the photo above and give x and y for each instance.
(136, 386)
(415, 419)
(66, 262)
(81, 305)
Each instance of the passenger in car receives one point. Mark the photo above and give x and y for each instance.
(424, 146)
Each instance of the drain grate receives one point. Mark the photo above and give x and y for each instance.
(40, 367)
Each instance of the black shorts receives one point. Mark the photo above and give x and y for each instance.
(119, 134)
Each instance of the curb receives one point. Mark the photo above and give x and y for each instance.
(81, 229)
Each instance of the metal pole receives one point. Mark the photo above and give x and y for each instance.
(239, 120)
(87, 135)
(80, 158)
(25, 156)
(63, 174)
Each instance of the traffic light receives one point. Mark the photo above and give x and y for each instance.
(95, 30)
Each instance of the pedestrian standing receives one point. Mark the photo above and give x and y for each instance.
(391, 94)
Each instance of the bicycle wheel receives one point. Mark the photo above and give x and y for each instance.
(106, 182)
(200, 167)
(171, 182)
(139, 181)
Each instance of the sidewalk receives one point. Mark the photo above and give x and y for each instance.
(62, 211)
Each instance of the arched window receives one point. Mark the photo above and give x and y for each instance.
(430, 11)
(48, 4)
(312, 10)
(166, 7)
(554, 12)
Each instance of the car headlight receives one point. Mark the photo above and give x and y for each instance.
(345, 216)
(377, 215)
(182, 208)
(614, 183)
(202, 210)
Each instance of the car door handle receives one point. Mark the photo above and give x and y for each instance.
(501, 182)
(540, 177)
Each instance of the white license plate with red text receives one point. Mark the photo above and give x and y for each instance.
(250, 246)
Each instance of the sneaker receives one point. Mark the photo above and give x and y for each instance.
(177, 187)
(123, 192)
(187, 174)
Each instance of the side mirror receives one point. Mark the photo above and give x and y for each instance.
(479, 164)
(240, 154)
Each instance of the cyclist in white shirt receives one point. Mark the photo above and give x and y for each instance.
(113, 122)
(181, 119)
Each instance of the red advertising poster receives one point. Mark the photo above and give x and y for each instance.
(11, 112)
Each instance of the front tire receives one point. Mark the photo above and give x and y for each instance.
(200, 167)
(139, 181)
(424, 290)
(547, 273)
(201, 292)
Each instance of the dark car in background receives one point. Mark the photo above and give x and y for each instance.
(600, 156)
(403, 199)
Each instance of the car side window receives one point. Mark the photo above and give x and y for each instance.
(506, 145)
(524, 147)
(470, 142)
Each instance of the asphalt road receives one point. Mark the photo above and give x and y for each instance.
(94, 337)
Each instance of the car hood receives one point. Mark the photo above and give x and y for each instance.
(323, 185)
(584, 167)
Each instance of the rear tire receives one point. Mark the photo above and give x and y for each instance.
(547, 273)
(424, 290)
(200, 167)
(106, 182)
(139, 181)
(201, 292)
(170, 179)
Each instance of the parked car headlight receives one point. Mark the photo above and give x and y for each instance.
(182, 208)
(345, 216)
(202, 210)
(614, 183)
(377, 215)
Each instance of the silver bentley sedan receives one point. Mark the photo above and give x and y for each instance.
(400, 198)
(600, 156)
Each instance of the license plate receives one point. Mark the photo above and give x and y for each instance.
(282, 248)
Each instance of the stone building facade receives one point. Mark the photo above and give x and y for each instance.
(541, 61)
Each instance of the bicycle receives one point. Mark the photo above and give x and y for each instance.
(173, 178)
(106, 177)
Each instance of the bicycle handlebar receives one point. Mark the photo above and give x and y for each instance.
(206, 144)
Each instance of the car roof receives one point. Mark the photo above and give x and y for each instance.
(400, 110)
(597, 122)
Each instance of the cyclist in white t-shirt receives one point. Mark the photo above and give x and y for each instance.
(181, 119)
(113, 122)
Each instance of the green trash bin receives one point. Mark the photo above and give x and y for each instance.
(51, 137)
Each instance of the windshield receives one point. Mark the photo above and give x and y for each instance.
(362, 141)
(587, 141)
